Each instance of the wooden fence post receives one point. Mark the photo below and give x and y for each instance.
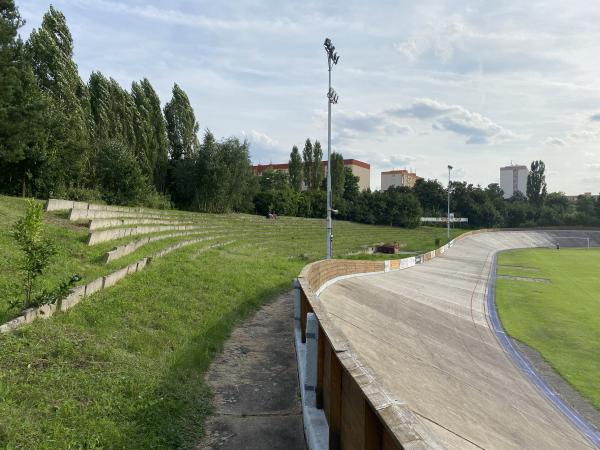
(373, 429)
(335, 402)
(320, 366)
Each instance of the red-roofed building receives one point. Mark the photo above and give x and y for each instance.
(360, 169)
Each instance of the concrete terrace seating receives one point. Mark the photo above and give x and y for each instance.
(104, 282)
(61, 205)
(84, 214)
(111, 234)
(122, 250)
(96, 224)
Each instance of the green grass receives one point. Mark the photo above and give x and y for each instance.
(560, 319)
(125, 368)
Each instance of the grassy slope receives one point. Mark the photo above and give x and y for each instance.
(124, 369)
(560, 319)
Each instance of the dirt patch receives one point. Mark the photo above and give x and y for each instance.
(523, 268)
(563, 389)
(530, 279)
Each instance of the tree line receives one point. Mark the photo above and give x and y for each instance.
(95, 141)
(485, 207)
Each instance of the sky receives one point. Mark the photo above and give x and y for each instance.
(475, 84)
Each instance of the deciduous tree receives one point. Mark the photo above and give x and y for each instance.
(307, 156)
(182, 127)
(536, 183)
(295, 169)
(22, 131)
(68, 120)
(317, 167)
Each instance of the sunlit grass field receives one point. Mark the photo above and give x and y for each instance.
(559, 318)
(124, 369)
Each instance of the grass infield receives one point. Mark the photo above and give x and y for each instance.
(124, 369)
(560, 318)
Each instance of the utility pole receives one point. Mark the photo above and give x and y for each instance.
(332, 58)
(449, 169)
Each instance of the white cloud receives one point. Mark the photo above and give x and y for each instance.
(477, 128)
(264, 148)
(350, 125)
(178, 17)
(439, 39)
(583, 134)
(555, 141)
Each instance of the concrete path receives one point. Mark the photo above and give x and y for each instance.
(255, 381)
(425, 334)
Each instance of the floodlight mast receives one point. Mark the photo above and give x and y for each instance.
(448, 221)
(332, 59)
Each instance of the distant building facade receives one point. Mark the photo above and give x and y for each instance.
(513, 178)
(574, 198)
(359, 169)
(398, 178)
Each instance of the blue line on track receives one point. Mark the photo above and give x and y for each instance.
(580, 423)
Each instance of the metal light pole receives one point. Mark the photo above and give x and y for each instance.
(332, 58)
(449, 169)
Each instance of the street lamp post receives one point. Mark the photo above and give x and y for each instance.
(448, 219)
(332, 58)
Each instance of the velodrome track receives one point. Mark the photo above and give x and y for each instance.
(426, 335)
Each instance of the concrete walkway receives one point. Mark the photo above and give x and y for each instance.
(255, 382)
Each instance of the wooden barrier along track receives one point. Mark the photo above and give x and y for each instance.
(359, 414)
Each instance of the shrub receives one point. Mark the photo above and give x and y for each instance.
(56, 295)
(37, 249)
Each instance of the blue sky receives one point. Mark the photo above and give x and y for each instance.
(475, 84)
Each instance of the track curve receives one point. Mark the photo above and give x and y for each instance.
(427, 336)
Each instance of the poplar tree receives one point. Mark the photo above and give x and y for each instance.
(68, 120)
(151, 132)
(307, 156)
(338, 174)
(115, 119)
(317, 169)
(182, 128)
(22, 137)
(536, 183)
(295, 169)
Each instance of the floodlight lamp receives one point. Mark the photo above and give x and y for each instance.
(450, 167)
(332, 96)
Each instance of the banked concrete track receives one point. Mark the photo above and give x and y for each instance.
(426, 334)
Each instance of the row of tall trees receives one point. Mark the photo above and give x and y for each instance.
(60, 136)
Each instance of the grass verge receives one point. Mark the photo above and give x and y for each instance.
(559, 319)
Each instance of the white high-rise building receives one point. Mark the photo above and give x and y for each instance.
(513, 178)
